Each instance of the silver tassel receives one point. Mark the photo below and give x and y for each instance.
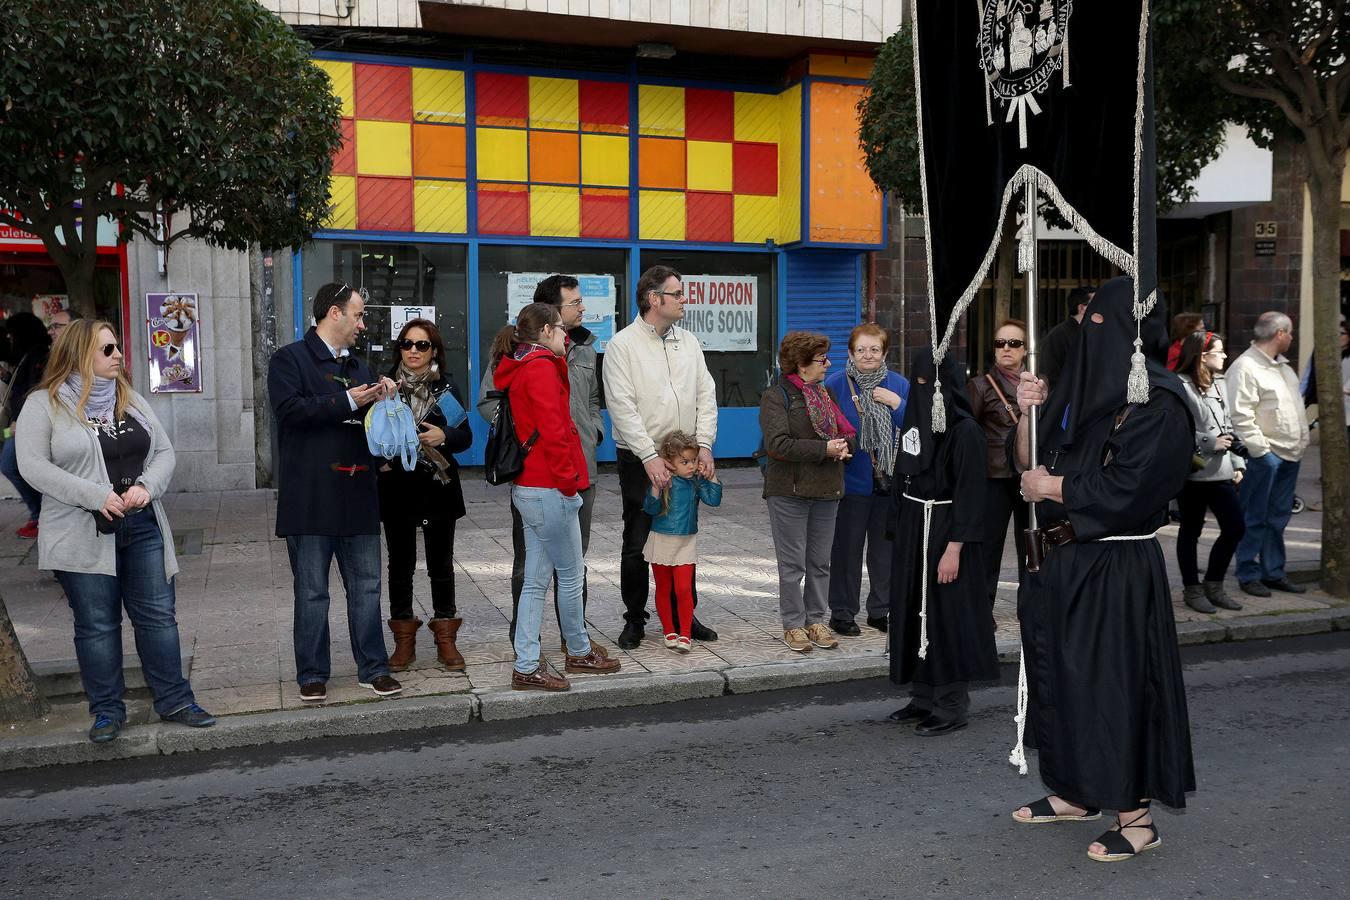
(1067, 82)
(1026, 248)
(939, 409)
(1136, 390)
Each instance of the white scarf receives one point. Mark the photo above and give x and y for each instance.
(102, 402)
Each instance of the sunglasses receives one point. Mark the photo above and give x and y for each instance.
(1015, 343)
(422, 346)
(109, 348)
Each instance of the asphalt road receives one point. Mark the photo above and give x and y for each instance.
(806, 793)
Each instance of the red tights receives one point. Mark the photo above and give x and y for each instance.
(677, 613)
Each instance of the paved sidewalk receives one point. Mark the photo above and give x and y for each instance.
(235, 605)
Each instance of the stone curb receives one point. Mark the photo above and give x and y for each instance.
(599, 693)
(452, 710)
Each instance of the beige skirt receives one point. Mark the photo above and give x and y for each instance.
(670, 549)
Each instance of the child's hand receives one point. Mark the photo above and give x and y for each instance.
(656, 491)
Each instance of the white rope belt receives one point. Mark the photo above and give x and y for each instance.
(923, 591)
(1018, 757)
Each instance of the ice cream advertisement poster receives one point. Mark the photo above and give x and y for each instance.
(173, 322)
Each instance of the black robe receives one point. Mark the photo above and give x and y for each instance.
(1107, 707)
(960, 629)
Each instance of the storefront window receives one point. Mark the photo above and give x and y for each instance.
(22, 283)
(395, 277)
(719, 311)
(507, 275)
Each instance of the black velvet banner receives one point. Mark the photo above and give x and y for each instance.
(994, 99)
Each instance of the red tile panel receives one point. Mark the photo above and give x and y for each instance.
(604, 214)
(384, 204)
(709, 115)
(603, 106)
(383, 92)
(501, 99)
(503, 209)
(709, 217)
(755, 169)
(344, 160)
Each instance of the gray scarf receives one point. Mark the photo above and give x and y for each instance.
(877, 434)
(418, 394)
(102, 402)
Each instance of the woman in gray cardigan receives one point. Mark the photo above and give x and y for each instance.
(101, 459)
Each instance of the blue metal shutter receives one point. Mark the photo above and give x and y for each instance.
(824, 294)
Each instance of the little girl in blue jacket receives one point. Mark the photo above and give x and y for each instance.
(670, 544)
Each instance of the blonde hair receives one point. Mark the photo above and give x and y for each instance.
(74, 352)
(672, 446)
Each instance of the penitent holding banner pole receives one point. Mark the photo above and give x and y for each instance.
(1033, 536)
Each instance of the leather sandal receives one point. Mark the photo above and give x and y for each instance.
(1118, 847)
(1043, 812)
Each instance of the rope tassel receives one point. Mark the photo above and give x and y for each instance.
(939, 408)
(1018, 757)
(1136, 390)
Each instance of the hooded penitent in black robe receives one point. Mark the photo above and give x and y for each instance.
(1107, 708)
(946, 466)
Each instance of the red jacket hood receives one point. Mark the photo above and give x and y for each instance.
(509, 367)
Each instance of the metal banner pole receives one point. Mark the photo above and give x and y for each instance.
(1029, 301)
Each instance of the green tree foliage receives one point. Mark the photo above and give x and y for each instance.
(1188, 113)
(144, 110)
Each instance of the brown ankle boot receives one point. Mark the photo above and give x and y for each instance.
(405, 643)
(446, 651)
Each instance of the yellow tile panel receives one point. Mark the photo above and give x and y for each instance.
(441, 206)
(555, 211)
(383, 148)
(709, 165)
(756, 117)
(342, 202)
(503, 154)
(660, 110)
(342, 76)
(438, 95)
(553, 103)
(756, 219)
(604, 160)
(661, 215)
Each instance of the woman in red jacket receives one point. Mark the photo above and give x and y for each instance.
(529, 364)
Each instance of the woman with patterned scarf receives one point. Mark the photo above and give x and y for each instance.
(807, 439)
(429, 497)
(874, 403)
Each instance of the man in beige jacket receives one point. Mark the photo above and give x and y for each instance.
(656, 382)
(1269, 418)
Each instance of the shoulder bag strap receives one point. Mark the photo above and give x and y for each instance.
(1012, 410)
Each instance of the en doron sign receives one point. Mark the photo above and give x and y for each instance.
(722, 311)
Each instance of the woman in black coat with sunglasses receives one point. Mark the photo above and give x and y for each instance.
(429, 497)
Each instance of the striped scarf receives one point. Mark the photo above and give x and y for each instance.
(878, 430)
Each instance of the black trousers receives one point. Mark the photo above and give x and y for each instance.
(634, 485)
(438, 539)
(949, 702)
(1221, 498)
(1001, 501)
(518, 557)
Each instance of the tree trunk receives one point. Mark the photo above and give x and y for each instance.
(1325, 196)
(1007, 271)
(20, 698)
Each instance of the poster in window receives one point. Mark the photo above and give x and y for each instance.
(722, 311)
(173, 323)
(597, 297)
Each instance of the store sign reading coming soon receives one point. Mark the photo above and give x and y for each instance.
(722, 311)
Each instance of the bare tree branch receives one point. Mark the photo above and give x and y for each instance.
(1328, 31)
(1269, 94)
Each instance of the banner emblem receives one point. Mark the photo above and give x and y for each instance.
(1023, 43)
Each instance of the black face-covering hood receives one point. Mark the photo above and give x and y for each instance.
(1093, 382)
(917, 441)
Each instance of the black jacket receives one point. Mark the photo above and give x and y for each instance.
(325, 473)
(417, 495)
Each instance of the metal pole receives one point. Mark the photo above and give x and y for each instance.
(1029, 300)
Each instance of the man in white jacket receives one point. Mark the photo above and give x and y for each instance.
(656, 382)
(1269, 418)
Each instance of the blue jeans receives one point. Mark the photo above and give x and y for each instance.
(97, 601)
(552, 544)
(9, 467)
(1267, 497)
(358, 559)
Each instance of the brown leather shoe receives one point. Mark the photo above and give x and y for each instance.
(405, 642)
(597, 662)
(540, 679)
(562, 645)
(446, 651)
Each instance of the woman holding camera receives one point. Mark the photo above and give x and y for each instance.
(1217, 471)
